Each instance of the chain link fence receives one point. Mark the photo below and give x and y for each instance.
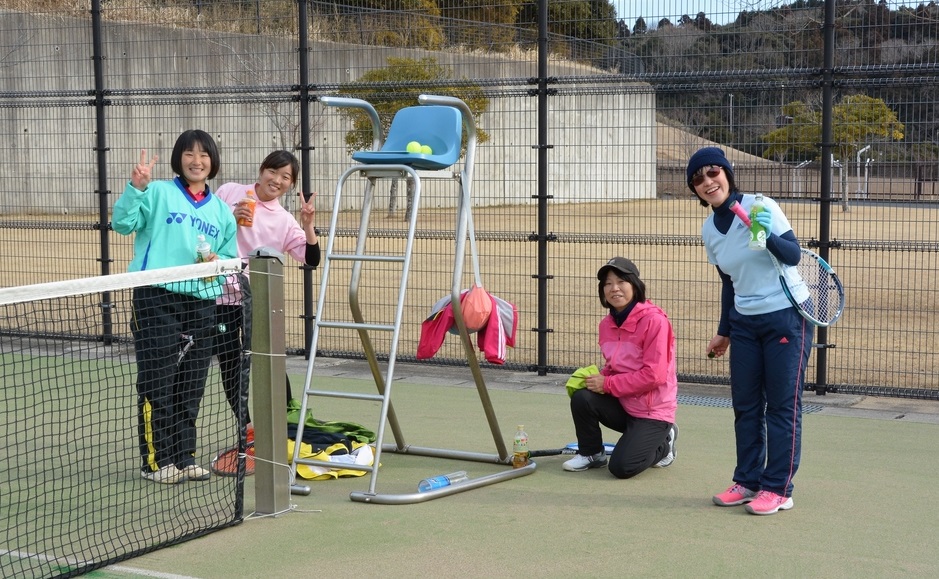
(587, 115)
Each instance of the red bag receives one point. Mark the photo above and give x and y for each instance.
(476, 306)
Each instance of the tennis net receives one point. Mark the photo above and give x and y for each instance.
(77, 435)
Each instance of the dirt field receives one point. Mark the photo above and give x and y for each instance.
(883, 340)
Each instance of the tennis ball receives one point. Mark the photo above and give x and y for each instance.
(427, 150)
(414, 147)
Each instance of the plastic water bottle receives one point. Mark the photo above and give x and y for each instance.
(203, 249)
(440, 481)
(520, 448)
(757, 231)
(250, 201)
(204, 253)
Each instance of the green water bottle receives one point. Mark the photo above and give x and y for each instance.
(757, 231)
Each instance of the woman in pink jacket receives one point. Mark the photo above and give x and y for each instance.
(636, 392)
(267, 225)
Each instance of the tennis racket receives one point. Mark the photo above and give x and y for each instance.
(226, 462)
(569, 449)
(825, 300)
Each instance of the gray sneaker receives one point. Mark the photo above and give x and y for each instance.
(195, 472)
(168, 475)
(581, 462)
(671, 438)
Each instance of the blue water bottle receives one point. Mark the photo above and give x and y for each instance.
(440, 481)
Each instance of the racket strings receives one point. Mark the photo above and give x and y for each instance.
(825, 294)
(227, 462)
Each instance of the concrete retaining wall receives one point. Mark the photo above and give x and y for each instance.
(48, 127)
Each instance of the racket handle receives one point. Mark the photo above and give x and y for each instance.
(741, 213)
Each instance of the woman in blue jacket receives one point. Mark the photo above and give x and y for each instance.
(771, 341)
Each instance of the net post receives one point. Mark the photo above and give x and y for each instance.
(268, 375)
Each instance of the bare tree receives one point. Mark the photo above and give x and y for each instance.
(7, 58)
(250, 69)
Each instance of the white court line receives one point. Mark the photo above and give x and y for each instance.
(146, 572)
(117, 568)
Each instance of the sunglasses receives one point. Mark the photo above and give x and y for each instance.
(712, 171)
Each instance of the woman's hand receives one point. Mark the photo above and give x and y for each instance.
(765, 218)
(594, 383)
(243, 213)
(140, 176)
(718, 345)
(308, 216)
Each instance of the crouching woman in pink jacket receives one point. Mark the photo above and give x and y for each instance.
(636, 391)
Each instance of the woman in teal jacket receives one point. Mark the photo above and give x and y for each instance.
(173, 324)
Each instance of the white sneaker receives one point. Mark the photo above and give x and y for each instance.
(168, 475)
(581, 462)
(195, 472)
(671, 439)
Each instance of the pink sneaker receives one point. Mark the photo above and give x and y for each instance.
(733, 496)
(767, 503)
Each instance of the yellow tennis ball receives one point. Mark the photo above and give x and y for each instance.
(414, 147)
(427, 150)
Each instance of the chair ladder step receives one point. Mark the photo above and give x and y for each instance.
(355, 325)
(346, 395)
(375, 258)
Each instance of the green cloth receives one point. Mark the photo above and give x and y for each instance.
(354, 431)
(578, 378)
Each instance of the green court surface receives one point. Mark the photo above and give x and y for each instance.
(864, 497)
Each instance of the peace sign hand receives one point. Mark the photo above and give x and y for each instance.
(307, 216)
(140, 176)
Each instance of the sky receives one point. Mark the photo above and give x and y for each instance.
(717, 11)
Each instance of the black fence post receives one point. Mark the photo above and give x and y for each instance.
(101, 149)
(824, 219)
(303, 62)
(542, 147)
